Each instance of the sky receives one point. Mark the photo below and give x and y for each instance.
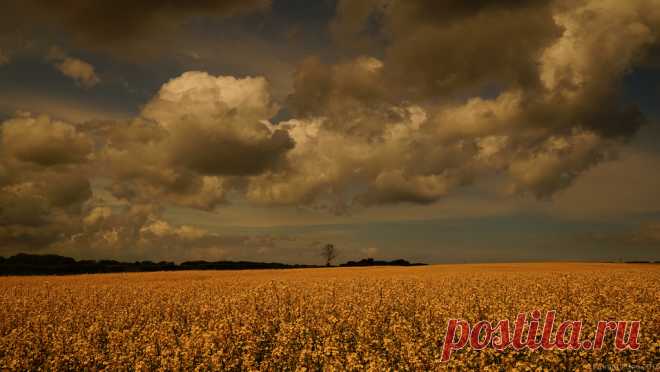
(437, 131)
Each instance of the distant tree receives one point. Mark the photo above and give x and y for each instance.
(329, 253)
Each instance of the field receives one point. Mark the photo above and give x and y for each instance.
(336, 318)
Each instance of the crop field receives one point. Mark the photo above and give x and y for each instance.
(317, 319)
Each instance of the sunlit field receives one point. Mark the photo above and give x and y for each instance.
(335, 318)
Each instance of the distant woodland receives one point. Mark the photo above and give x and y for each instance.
(32, 264)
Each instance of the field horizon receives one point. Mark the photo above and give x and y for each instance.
(35, 265)
(488, 266)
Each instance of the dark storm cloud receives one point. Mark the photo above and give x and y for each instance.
(43, 181)
(351, 93)
(47, 202)
(226, 156)
(113, 24)
(449, 47)
(554, 109)
(44, 141)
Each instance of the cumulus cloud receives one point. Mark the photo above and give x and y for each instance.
(328, 167)
(195, 139)
(139, 231)
(217, 125)
(556, 163)
(47, 201)
(527, 92)
(351, 94)
(80, 71)
(43, 181)
(555, 109)
(43, 141)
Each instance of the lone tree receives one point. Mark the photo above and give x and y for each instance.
(329, 253)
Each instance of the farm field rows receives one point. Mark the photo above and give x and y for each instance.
(335, 318)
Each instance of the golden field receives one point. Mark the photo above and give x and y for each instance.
(311, 319)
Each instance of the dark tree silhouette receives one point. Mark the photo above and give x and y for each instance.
(329, 252)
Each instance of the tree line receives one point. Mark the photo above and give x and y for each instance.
(50, 264)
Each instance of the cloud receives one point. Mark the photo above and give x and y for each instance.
(554, 110)
(118, 26)
(139, 227)
(447, 47)
(67, 109)
(139, 231)
(135, 160)
(397, 187)
(483, 94)
(82, 72)
(194, 138)
(217, 124)
(351, 94)
(43, 181)
(47, 202)
(328, 166)
(43, 141)
(136, 230)
(4, 58)
(557, 162)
